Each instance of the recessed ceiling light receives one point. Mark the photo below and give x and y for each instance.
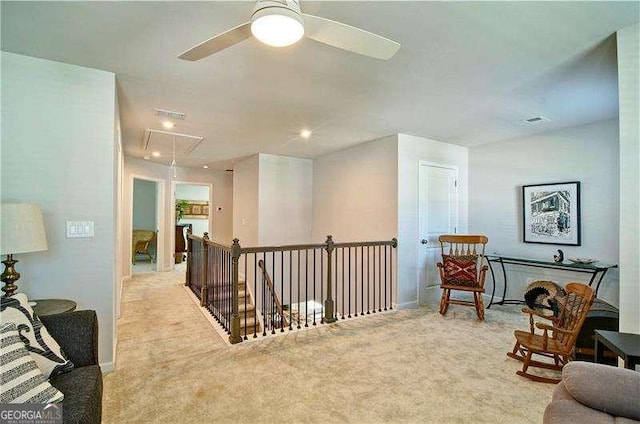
(147, 157)
(156, 154)
(167, 125)
(305, 133)
(205, 166)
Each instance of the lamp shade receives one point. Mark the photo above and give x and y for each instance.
(22, 228)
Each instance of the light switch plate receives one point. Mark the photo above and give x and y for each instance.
(80, 229)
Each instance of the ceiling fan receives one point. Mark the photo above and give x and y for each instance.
(281, 23)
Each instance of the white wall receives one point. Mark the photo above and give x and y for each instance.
(628, 41)
(411, 151)
(272, 198)
(588, 154)
(284, 200)
(245, 201)
(355, 193)
(58, 132)
(222, 194)
(144, 205)
(195, 192)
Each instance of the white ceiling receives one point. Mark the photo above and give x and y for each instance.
(467, 73)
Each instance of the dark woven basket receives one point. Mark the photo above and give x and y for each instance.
(544, 295)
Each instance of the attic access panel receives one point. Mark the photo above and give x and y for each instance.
(162, 141)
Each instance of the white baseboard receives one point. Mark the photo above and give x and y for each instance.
(107, 367)
(431, 295)
(407, 305)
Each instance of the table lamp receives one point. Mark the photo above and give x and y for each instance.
(22, 231)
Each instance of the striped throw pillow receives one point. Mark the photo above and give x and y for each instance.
(43, 348)
(21, 381)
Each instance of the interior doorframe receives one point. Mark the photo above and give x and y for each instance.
(172, 211)
(421, 206)
(160, 220)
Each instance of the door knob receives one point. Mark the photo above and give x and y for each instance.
(424, 241)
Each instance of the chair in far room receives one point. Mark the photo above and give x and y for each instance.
(462, 268)
(141, 242)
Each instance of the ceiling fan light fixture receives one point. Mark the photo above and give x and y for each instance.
(277, 26)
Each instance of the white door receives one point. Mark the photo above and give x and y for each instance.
(438, 214)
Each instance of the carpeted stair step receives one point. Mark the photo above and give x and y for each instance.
(248, 324)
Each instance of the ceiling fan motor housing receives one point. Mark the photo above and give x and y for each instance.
(289, 8)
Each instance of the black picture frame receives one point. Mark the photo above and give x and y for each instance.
(551, 213)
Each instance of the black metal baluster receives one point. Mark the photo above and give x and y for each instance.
(298, 297)
(217, 288)
(255, 295)
(264, 303)
(361, 280)
(322, 284)
(373, 272)
(334, 313)
(385, 278)
(273, 295)
(245, 296)
(379, 278)
(290, 289)
(342, 314)
(355, 282)
(368, 279)
(390, 264)
(315, 251)
(282, 290)
(306, 287)
(230, 291)
(349, 304)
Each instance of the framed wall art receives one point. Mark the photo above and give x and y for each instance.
(195, 209)
(551, 213)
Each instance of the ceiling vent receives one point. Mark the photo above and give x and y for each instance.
(178, 116)
(162, 141)
(537, 120)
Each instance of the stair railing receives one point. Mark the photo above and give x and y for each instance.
(292, 286)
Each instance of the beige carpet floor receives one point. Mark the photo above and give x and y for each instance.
(411, 366)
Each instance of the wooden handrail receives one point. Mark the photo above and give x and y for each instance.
(267, 278)
(261, 249)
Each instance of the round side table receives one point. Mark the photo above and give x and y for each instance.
(53, 306)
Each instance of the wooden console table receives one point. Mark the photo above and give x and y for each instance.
(597, 271)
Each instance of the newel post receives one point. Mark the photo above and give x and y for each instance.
(189, 250)
(205, 270)
(236, 251)
(328, 303)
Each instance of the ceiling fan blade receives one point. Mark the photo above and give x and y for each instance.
(349, 38)
(217, 43)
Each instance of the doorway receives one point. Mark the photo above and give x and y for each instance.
(438, 214)
(192, 210)
(145, 219)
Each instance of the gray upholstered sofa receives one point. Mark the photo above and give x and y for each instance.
(77, 334)
(594, 393)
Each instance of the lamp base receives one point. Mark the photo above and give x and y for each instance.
(9, 276)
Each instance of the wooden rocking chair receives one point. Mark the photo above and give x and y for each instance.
(462, 268)
(559, 345)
